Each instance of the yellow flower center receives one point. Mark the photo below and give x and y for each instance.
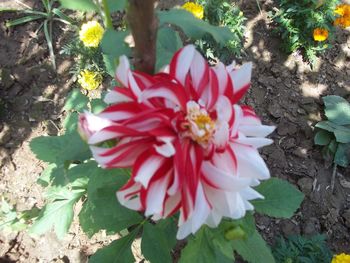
(201, 126)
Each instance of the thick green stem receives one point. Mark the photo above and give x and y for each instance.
(107, 15)
(143, 24)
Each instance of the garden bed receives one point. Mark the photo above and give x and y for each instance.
(285, 92)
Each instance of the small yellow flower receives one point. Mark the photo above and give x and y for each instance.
(196, 9)
(320, 34)
(342, 10)
(91, 33)
(343, 22)
(341, 258)
(89, 80)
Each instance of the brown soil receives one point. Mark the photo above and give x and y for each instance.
(285, 93)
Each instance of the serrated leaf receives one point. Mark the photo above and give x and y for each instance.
(80, 5)
(342, 155)
(281, 198)
(253, 249)
(323, 137)
(337, 109)
(59, 149)
(102, 210)
(76, 101)
(168, 42)
(119, 251)
(193, 27)
(58, 213)
(154, 244)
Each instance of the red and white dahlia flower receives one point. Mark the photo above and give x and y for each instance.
(192, 149)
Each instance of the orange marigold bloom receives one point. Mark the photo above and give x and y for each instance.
(342, 10)
(342, 21)
(320, 34)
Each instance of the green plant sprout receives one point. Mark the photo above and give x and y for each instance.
(50, 15)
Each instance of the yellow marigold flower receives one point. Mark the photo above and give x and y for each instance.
(341, 258)
(91, 33)
(342, 10)
(89, 80)
(320, 34)
(196, 9)
(342, 21)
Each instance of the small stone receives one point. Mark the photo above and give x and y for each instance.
(300, 152)
(305, 185)
(5, 135)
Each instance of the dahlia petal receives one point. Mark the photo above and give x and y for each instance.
(112, 132)
(155, 196)
(126, 197)
(167, 149)
(221, 135)
(181, 63)
(145, 171)
(122, 71)
(241, 80)
(254, 142)
(249, 162)
(199, 70)
(118, 95)
(224, 109)
(256, 130)
(250, 194)
(213, 219)
(226, 160)
(222, 76)
(133, 85)
(121, 111)
(221, 180)
(171, 205)
(90, 124)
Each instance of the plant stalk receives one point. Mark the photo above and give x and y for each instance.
(107, 15)
(143, 24)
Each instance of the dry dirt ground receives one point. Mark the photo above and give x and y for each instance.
(285, 93)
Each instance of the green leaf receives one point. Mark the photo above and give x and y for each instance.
(80, 5)
(102, 210)
(76, 101)
(253, 249)
(110, 64)
(59, 149)
(97, 105)
(113, 43)
(342, 155)
(59, 213)
(70, 123)
(323, 137)
(23, 20)
(199, 249)
(281, 198)
(337, 109)
(116, 5)
(168, 42)
(193, 27)
(119, 251)
(154, 245)
(341, 133)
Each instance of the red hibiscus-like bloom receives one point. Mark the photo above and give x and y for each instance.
(192, 149)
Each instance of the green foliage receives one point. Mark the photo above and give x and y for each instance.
(302, 249)
(296, 21)
(222, 13)
(119, 251)
(12, 220)
(334, 134)
(281, 198)
(81, 5)
(101, 210)
(168, 42)
(253, 249)
(49, 15)
(194, 28)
